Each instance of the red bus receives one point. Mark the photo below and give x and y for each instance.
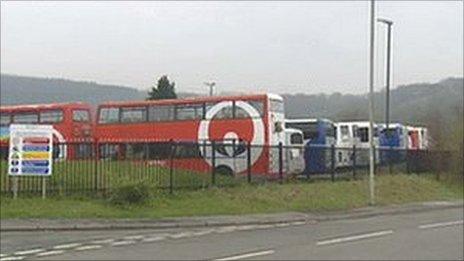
(229, 122)
(72, 122)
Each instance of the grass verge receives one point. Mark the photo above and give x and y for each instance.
(267, 198)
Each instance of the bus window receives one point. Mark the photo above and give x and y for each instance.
(135, 114)
(53, 116)
(330, 131)
(81, 116)
(189, 112)
(5, 119)
(277, 106)
(109, 115)
(161, 113)
(258, 105)
(26, 118)
(296, 138)
(364, 134)
(225, 113)
(241, 113)
(344, 132)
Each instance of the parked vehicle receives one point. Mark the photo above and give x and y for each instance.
(222, 125)
(319, 137)
(294, 163)
(356, 134)
(71, 122)
(394, 142)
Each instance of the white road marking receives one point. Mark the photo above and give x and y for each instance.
(443, 224)
(123, 243)
(28, 252)
(65, 246)
(248, 255)
(180, 235)
(103, 241)
(282, 225)
(246, 227)
(153, 239)
(11, 258)
(3, 255)
(204, 232)
(264, 226)
(135, 237)
(50, 253)
(88, 247)
(298, 223)
(354, 238)
(225, 229)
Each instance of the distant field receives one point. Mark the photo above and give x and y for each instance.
(241, 199)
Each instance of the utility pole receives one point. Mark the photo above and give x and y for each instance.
(389, 24)
(210, 85)
(371, 105)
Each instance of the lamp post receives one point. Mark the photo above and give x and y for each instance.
(371, 104)
(389, 24)
(210, 85)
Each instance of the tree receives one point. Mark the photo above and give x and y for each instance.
(164, 89)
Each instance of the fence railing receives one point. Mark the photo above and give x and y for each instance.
(95, 168)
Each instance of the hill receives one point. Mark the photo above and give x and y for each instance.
(421, 103)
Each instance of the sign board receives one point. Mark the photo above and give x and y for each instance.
(31, 150)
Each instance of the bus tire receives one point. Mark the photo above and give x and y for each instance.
(224, 170)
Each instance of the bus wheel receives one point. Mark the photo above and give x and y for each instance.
(224, 170)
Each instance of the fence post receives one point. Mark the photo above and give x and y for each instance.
(354, 161)
(332, 162)
(95, 171)
(390, 165)
(281, 163)
(171, 166)
(249, 162)
(408, 170)
(213, 162)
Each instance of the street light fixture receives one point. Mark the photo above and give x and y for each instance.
(210, 85)
(389, 24)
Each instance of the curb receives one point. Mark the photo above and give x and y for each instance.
(394, 210)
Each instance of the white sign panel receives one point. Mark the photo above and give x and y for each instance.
(31, 150)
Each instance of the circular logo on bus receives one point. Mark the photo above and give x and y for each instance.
(231, 135)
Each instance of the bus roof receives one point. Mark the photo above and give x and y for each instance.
(192, 100)
(307, 120)
(26, 107)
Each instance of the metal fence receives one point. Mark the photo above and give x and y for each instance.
(95, 168)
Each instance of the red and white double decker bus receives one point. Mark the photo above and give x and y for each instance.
(194, 124)
(72, 122)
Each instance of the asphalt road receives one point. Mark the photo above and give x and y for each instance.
(432, 235)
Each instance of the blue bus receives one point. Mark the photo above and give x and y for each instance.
(319, 136)
(393, 143)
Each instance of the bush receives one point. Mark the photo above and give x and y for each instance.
(131, 192)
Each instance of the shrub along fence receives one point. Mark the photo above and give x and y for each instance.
(95, 168)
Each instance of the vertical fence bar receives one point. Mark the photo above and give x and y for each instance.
(281, 163)
(213, 162)
(249, 162)
(332, 162)
(354, 161)
(408, 170)
(390, 163)
(171, 167)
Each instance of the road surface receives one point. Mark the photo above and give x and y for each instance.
(432, 235)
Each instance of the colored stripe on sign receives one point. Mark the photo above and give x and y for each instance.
(35, 163)
(36, 148)
(36, 155)
(30, 170)
(35, 140)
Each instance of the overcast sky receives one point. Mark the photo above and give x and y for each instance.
(291, 47)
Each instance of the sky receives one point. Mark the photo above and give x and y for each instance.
(281, 47)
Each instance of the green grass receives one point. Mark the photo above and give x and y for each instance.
(86, 175)
(267, 198)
